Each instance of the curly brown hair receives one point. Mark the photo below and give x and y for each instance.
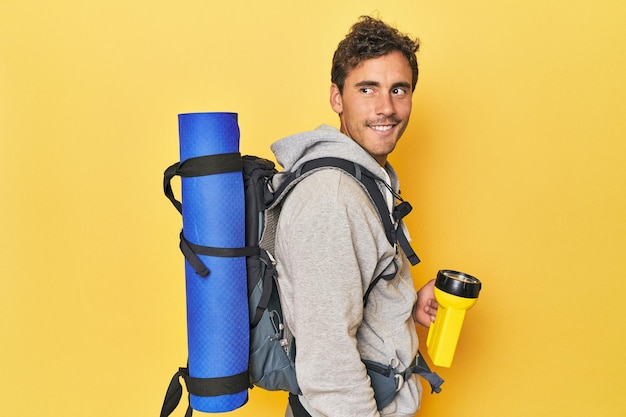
(371, 38)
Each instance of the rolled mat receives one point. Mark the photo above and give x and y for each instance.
(214, 215)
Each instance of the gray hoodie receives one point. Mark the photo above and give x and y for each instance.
(330, 244)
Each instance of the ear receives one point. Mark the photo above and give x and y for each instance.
(336, 102)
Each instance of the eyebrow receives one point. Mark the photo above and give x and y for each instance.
(377, 84)
(368, 84)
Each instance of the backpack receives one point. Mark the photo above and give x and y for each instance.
(271, 363)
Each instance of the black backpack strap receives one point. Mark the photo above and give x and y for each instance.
(191, 252)
(421, 368)
(202, 387)
(387, 381)
(386, 277)
(268, 284)
(214, 387)
(174, 394)
(399, 211)
(297, 409)
(359, 173)
(394, 234)
(197, 167)
(369, 180)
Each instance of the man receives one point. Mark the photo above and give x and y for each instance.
(331, 244)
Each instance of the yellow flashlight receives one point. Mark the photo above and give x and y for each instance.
(456, 292)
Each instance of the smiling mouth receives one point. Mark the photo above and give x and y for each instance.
(381, 128)
(383, 125)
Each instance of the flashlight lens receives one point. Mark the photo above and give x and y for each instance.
(458, 283)
(460, 276)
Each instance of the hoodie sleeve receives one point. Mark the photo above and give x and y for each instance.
(327, 247)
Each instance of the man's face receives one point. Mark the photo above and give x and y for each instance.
(375, 106)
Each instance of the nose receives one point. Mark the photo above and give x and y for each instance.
(384, 105)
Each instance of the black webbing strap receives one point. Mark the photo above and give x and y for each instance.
(369, 181)
(386, 277)
(198, 167)
(268, 283)
(214, 387)
(297, 409)
(191, 252)
(399, 212)
(201, 387)
(421, 368)
(363, 176)
(174, 394)
(406, 247)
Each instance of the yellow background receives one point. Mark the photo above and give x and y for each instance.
(514, 162)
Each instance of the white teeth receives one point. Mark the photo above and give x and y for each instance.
(381, 128)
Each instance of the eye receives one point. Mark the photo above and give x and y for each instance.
(367, 90)
(398, 91)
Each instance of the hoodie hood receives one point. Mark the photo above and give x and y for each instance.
(326, 141)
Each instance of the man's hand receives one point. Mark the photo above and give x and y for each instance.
(425, 308)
